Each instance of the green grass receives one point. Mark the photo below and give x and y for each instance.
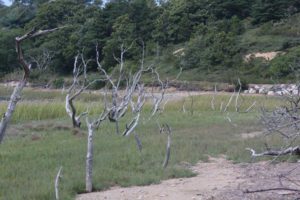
(30, 160)
(30, 94)
(272, 36)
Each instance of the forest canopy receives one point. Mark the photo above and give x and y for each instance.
(213, 33)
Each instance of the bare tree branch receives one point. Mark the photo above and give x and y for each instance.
(42, 61)
(290, 150)
(16, 95)
(229, 102)
(118, 104)
(272, 189)
(79, 85)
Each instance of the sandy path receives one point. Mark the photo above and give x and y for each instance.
(213, 178)
(217, 180)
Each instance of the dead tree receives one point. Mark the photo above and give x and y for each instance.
(42, 60)
(80, 84)
(16, 95)
(237, 97)
(136, 108)
(285, 122)
(133, 95)
(121, 99)
(92, 126)
(158, 98)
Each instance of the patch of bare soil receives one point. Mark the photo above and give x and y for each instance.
(266, 55)
(251, 134)
(218, 179)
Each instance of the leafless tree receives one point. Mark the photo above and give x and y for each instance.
(16, 95)
(92, 125)
(285, 122)
(43, 59)
(238, 99)
(158, 98)
(80, 84)
(117, 102)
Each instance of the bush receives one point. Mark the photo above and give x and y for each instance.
(58, 83)
(284, 66)
(97, 85)
(215, 50)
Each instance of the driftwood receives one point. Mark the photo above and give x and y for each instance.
(272, 189)
(56, 183)
(16, 95)
(283, 121)
(290, 150)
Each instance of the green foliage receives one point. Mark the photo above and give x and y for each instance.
(211, 51)
(267, 10)
(58, 82)
(287, 65)
(7, 51)
(215, 33)
(123, 31)
(17, 15)
(178, 20)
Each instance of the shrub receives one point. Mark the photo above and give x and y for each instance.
(58, 83)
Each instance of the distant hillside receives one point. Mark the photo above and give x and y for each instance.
(278, 42)
(208, 41)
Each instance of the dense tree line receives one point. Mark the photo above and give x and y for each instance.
(209, 29)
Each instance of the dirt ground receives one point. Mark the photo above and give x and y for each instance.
(218, 179)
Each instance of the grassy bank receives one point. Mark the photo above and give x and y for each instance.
(43, 141)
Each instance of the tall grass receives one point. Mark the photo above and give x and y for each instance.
(47, 94)
(29, 162)
(43, 110)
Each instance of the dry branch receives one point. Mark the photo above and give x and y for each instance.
(158, 100)
(119, 103)
(79, 85)
(250, 107)
(42, 61)
(290, 150)
(56, 183)
(167, 130)
(16, 95)
(272, 189)
(138, 142)
(229, 102)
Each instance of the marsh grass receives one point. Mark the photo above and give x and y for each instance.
(29, 161)
(31, 94)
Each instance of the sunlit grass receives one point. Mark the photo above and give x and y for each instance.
(29, 160)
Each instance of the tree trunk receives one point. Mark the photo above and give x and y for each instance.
(89, 160)
(14, 98)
